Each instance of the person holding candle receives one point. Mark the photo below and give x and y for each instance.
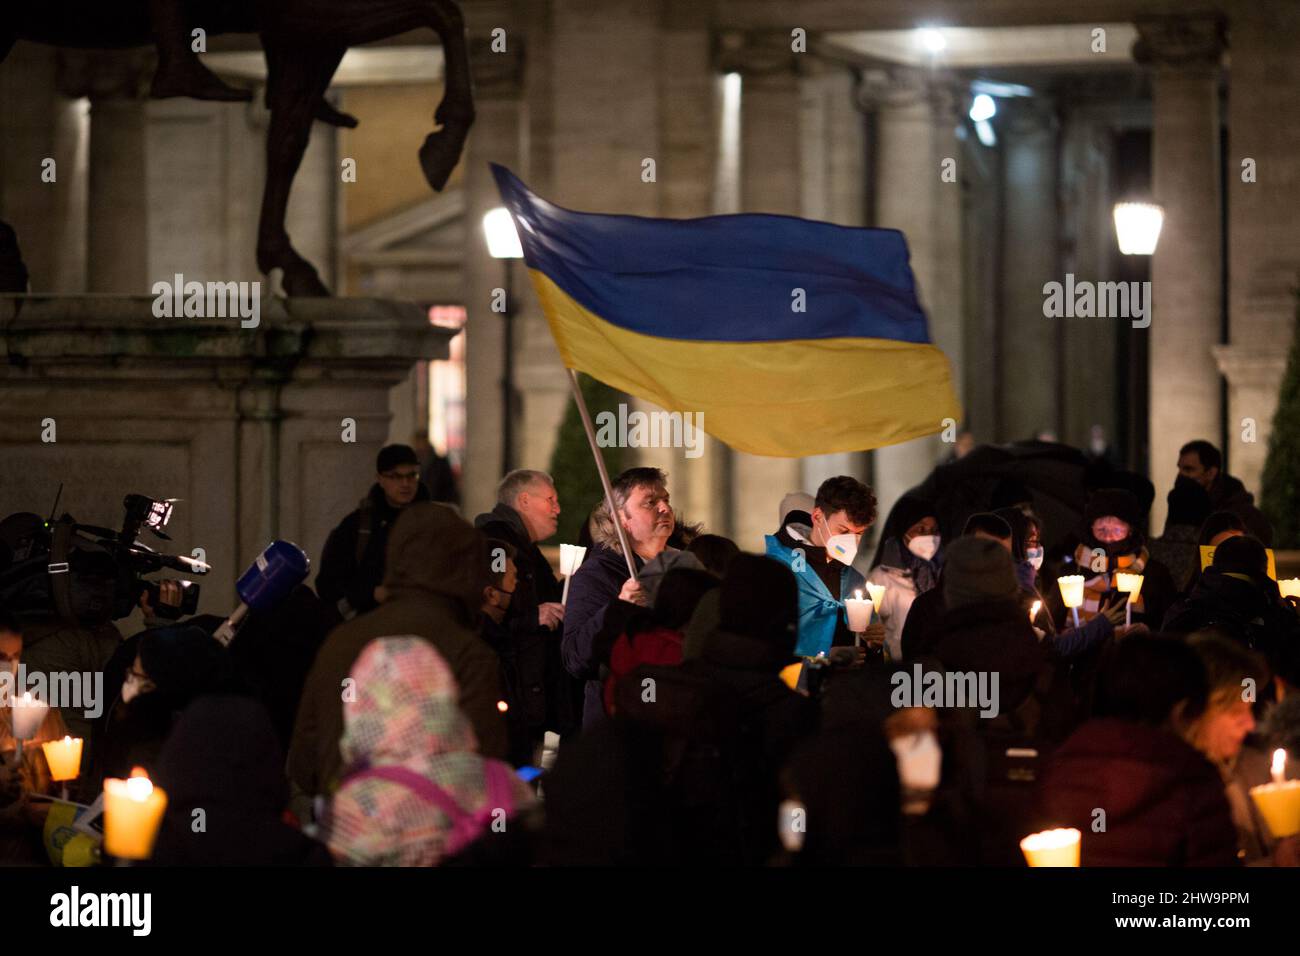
(906, 562)
(821, 554)
(1111, 540)
(1221, 733)
(20, 819)
(1164, 803)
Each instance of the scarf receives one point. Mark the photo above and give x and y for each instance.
(923, 573)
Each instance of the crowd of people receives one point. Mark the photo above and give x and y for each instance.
(441, 699)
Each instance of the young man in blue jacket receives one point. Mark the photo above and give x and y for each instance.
(819, 548)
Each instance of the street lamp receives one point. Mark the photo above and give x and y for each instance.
(1137, 227)
(503, 244)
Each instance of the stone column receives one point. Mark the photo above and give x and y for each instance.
(117, 227)
(1263, 241)
(1028, 358)
(1186, 271)
(495, 137)
(833, 158)
(40, 122)
(910, 140)
(771, 169)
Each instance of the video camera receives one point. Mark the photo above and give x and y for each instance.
(87, 574)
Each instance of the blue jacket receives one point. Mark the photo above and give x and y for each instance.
(819, 611)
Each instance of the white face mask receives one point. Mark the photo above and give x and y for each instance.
(1035, 557)
(920, 760)
(841, 547)
(924, 546)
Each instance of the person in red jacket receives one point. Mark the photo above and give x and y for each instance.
(1129, 781)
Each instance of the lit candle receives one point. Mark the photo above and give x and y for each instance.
(877, 592)
(859, 611)
(570, 560)
(64, 758)
(133, 811)
(29, 713)
(1052, 848)
(1033, 611)
(1071, 586)
(1290, 587)
(1130, 584)
(1279, 802)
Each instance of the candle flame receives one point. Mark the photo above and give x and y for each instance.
(139, 788)
(858, 594)
(502, 706)
(1279, 762)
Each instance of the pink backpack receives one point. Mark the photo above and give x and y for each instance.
(466, 827)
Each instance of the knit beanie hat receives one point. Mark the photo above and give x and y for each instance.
(978, 570)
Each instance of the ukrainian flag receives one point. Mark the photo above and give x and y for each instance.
(703, 315)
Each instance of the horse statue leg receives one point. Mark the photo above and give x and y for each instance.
(297, 78)
(442, 148)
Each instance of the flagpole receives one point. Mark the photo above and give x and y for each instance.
(600, 466)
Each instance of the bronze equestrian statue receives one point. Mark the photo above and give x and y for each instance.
(304, 41)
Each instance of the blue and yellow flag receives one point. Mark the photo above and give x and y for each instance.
(792, 337)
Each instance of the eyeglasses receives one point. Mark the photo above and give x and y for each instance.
(401, 475)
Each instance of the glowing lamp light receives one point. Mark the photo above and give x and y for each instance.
(502, 238)
(1137, 227)
(133, 811)
(983, 108)
(1052, 847)
(931, 40)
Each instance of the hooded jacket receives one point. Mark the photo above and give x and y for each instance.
(404, 718)
(342, 581)
(437, 567)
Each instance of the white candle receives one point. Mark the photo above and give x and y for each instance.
(29, 713)
(1071, 586)
(859, 611)
(571, 558)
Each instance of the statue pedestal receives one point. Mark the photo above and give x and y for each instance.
(263, 433)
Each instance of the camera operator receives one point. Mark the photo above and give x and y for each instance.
(352, 564)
